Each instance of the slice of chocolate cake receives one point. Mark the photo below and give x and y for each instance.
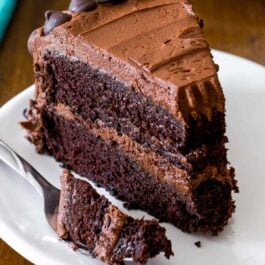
(91, 222)
(128, 96)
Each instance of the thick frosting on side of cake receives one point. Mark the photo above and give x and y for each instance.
(164, 56)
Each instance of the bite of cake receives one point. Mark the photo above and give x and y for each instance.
(92, 223)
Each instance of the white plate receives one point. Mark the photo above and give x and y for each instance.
(23, 226)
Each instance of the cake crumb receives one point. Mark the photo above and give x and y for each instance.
(73, 246)
(198, 244)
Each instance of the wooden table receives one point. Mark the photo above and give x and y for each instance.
(230, 25)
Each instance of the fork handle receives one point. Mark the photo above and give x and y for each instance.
(21, 166)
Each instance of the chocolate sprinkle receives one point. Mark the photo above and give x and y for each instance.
(53, 19)
(82, 5)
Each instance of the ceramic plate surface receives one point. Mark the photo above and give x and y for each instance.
(22, 222)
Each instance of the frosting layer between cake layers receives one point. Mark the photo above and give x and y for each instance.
(137, 175)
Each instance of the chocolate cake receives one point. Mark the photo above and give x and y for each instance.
(127, 95)
(92, 223)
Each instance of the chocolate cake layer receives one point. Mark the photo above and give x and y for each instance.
(128, 96)
(91, 222)
(97, 96)
(170, 198)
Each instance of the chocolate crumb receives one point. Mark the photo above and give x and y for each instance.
(201, 22)
(198, 244)
(73, 246)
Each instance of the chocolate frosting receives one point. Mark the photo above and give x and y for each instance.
(164, 54)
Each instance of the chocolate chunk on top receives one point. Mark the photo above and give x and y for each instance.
(82, 5)
(109, 1)
(53, 19)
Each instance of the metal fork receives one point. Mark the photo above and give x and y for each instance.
(49, 193)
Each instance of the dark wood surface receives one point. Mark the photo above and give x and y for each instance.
(230, 25)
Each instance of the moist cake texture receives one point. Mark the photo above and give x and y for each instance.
(128, 96)
(92, 223)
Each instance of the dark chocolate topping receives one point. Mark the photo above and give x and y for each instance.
(109, 1)
(53, 19)
(104, 1)
(82, 5)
